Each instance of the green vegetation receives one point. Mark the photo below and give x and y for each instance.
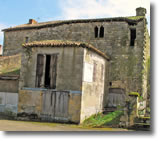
(134, 93)
(135, 17)
(10, 65)
(101, 120)
(10, 71)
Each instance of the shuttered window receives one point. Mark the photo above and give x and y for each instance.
(53, 71)
(46, 71)
(39, 70)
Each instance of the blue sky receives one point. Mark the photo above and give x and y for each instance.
(15, 12)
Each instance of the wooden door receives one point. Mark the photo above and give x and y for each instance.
(55, 105)
(53, 71)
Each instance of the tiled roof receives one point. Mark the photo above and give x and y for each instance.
(60, 43)
(133, 19)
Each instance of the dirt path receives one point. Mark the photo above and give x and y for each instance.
(10, 125)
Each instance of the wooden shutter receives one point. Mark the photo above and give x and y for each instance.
(39, 70)
(53, 71)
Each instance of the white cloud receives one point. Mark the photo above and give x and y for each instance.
(2, 26)
(73, 9)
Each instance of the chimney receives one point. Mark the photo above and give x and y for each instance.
(32, 21)
(140, 11)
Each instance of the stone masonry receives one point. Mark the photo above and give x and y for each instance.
(128, 61)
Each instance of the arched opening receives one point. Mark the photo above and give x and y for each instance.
(101, 32)
(96, 31)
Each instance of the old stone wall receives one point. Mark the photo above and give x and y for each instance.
(126, 61)
(146, 74)
(93, 84)
(8, 104)
(69, 67)
(74, 108)
(115, 34)
(30, 102)
(38, 102)
(9, 86)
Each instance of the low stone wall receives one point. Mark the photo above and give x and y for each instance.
(8, 104)
(49, 105)
(74, 106)
(9, 63)
(9, 84)
(133, 112)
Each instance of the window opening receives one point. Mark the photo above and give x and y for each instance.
(132, 36)
(96, 31)
(47, 71)
(101, 32)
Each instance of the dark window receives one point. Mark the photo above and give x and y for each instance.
(46, 78)
(26, 39)
(132, 23)
(47, 71)
(96, 31)
(101, 32)
(132, 36)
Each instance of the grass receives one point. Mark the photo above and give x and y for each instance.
(101, 120)
(10, 65)
(10, 70)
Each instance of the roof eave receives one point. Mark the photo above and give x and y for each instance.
(118, 19)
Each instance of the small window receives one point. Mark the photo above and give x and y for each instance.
(96, 31)
(26, 39)
(101, 32)
(132, 36)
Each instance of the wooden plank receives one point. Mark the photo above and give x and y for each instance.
(65, 105)
(55, 104)
(39, 70)
(53, 71)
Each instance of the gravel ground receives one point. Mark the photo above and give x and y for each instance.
(11, 125)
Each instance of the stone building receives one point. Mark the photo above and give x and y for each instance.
(64, 77)
(125, 40)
